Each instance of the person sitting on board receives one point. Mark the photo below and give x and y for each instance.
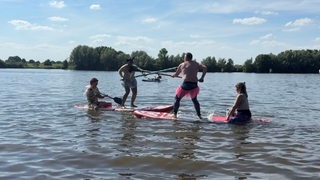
(189, 69)
(129, 81)
(93, 94)
(240, 112)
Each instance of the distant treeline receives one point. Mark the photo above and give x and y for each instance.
(17, 62)
(108, 59)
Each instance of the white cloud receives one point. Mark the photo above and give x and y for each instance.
(299, 22)
(125, 40)
(267, 36)
(266, 13)
(267, 40)
(25, 25)
(317, 39)
(249, 21)
(296, 24)
(100, 36)
(57, 4)
(178, 47)
(195, 36)
(43, 51)
(291, 29)
(99, 39)
(95, 6)
(272, 43)
(57, 19)
(149, 20)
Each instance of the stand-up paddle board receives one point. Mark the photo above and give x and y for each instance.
(106, 107)
(161, 108)
(223, 119)
(153, 115)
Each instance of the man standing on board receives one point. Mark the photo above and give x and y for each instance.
(189, 69)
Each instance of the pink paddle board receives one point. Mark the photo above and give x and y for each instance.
(153, 115)
(223, 119)
(161, 108)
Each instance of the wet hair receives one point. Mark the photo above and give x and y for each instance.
(242, 87)
(189, 56)
(93, 80)
(131, 68)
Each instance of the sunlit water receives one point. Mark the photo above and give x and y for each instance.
(42, 136)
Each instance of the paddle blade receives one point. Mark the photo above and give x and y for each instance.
(117, 100)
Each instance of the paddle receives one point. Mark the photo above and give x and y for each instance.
(115, 99)
(156, 72)
(163, 74)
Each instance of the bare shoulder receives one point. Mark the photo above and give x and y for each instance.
(181, 65)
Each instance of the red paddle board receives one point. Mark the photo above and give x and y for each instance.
(161, 108)
(223, 119)
(153, 115)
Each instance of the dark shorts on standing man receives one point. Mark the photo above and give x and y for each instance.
(190, 89)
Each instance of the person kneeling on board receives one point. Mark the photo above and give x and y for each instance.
(93, 94)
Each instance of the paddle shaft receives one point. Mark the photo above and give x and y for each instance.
(156, 72)
(163, 74)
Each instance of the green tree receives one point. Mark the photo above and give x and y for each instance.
(162, 61)
(47, 62)
(211, 64)
(221, 64)
(249, 66)
(229, 67)
(15, 62)
(2, 64)
(109, 59)
(65, 64)
(84, 58)
(264, 63)
(143, 60)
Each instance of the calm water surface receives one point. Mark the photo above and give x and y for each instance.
(43, 137)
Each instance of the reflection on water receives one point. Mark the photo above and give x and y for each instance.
(128, 128)
(187, 138)
(240, 133)
(44, 137)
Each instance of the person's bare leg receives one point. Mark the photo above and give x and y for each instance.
(124, 98)
(134, 95)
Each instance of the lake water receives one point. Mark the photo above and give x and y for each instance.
(42, 136)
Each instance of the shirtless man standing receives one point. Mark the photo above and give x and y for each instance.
(189, 87)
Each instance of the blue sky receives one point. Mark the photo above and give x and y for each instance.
(236, 29)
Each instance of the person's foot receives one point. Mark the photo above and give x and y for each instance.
(200, 117)
(132, 105)
(174, 117)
